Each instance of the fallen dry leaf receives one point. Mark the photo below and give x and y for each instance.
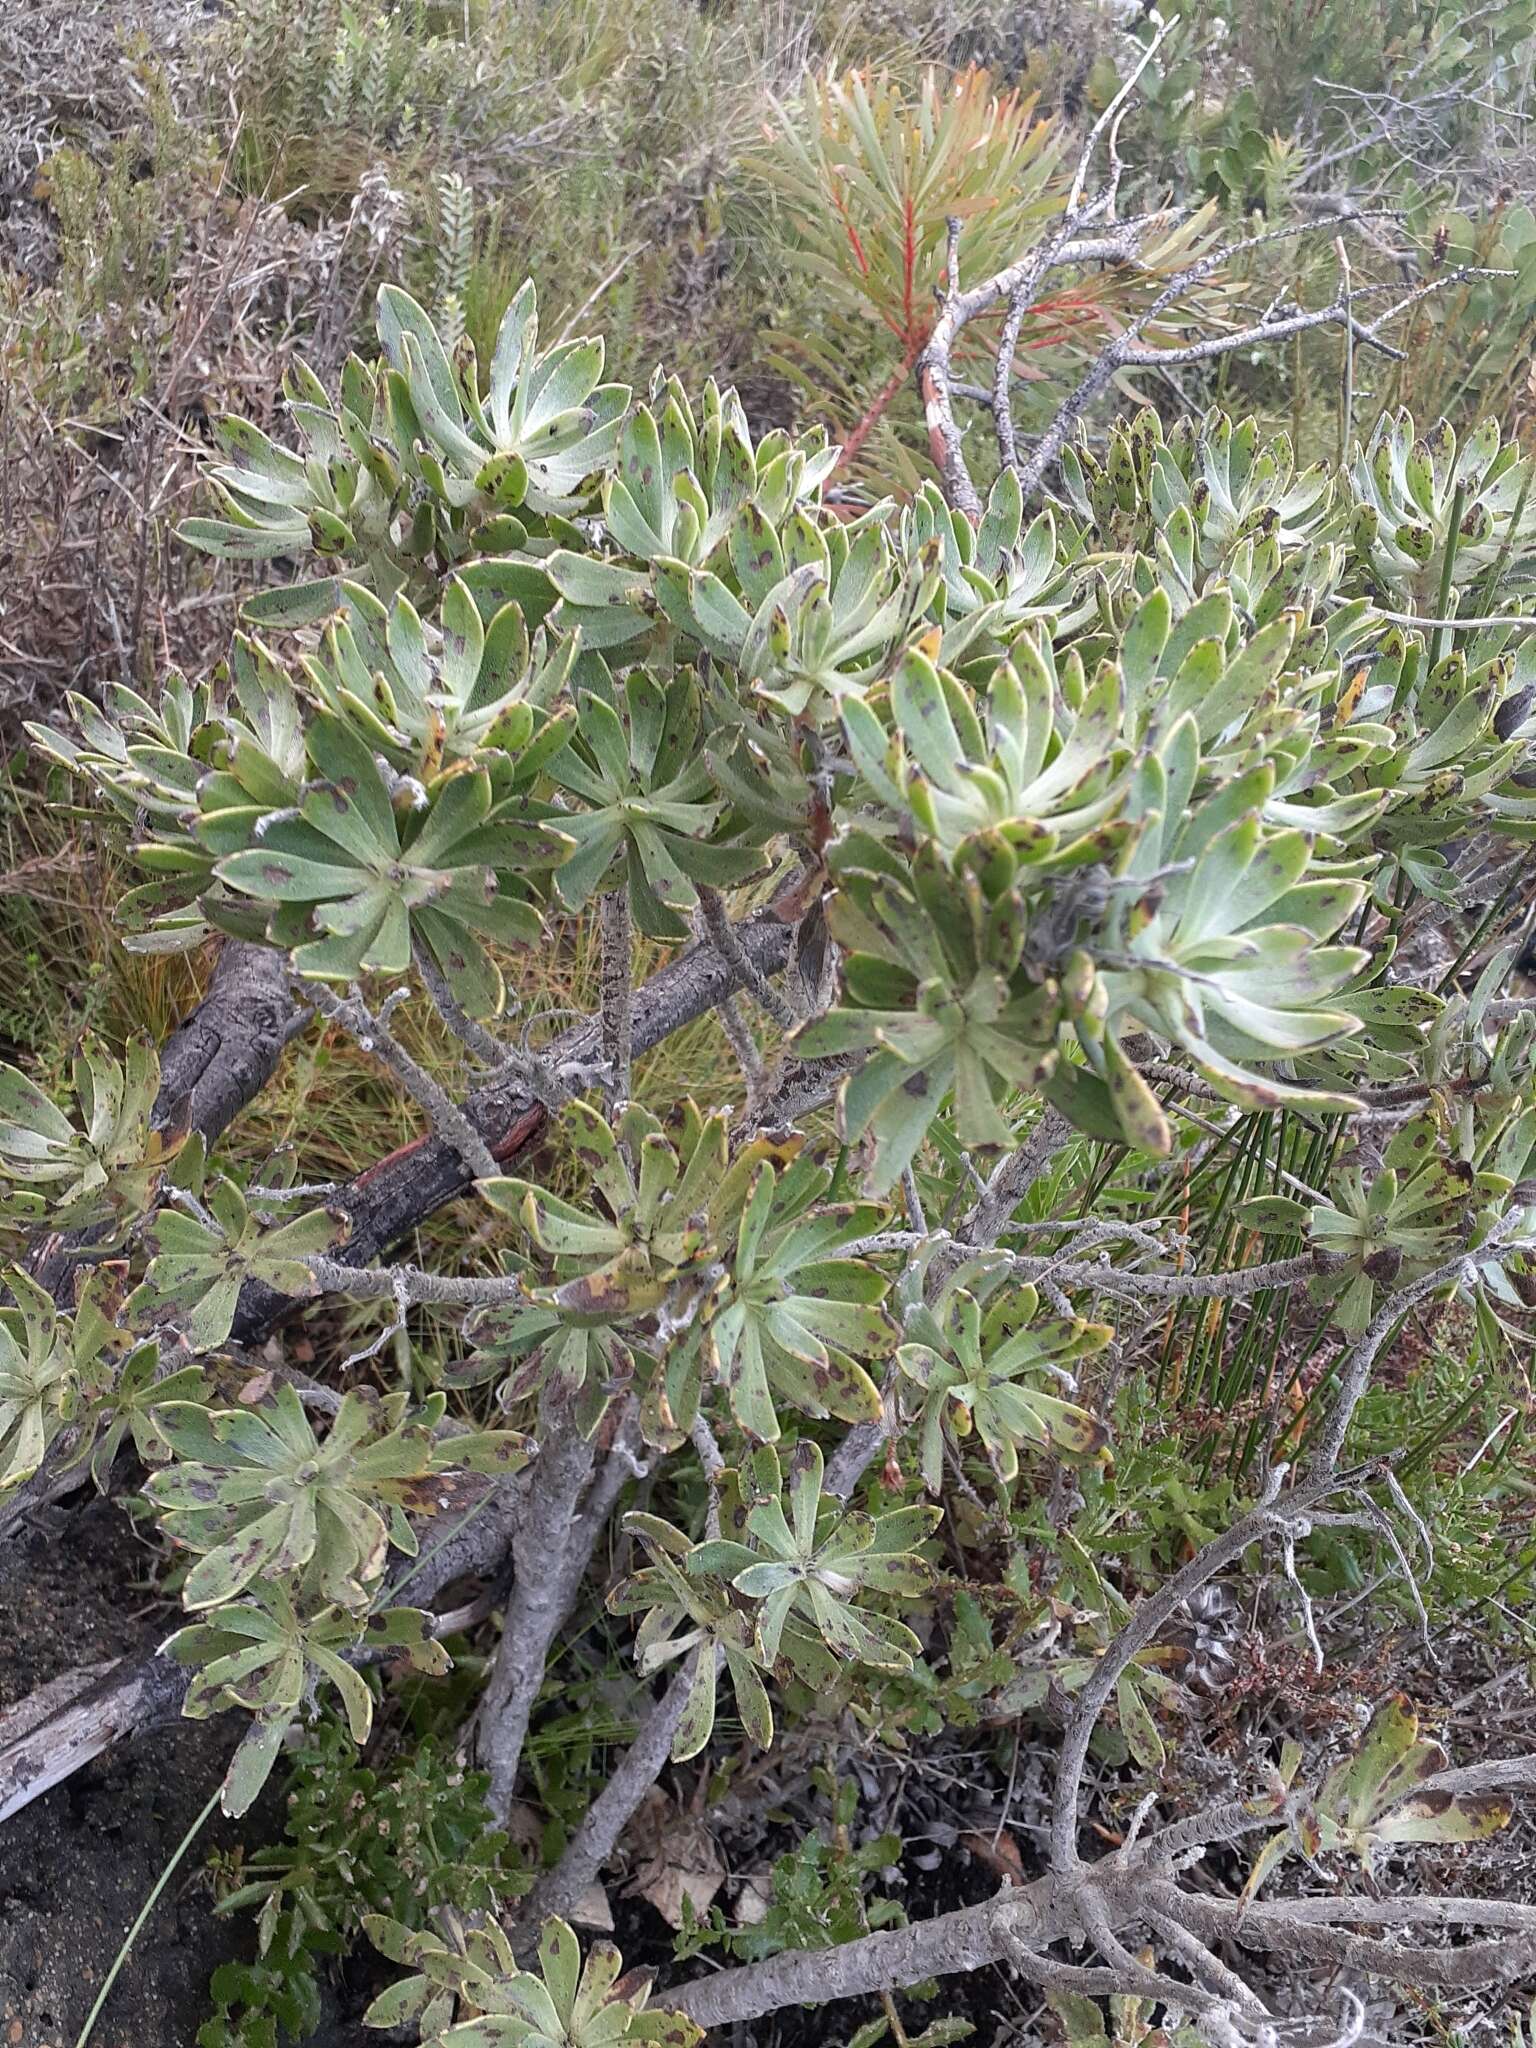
(525, 1828)
(754, 1895)
(1001, 1856)
(675, 1859)
(593, 1910)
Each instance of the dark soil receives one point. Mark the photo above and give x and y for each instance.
(942, 1799)
(77, 1866)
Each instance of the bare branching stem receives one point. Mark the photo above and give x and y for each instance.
(1088, 232)
(550, 1557)
(1019, 1926)
(1109, 119)
(470, 1033)
(617, 994)
(373, 1034)
(418, 1287)
(533, 1073)
(1355, 1372)
(1125, 1281)
(1274, 1511)
(1467, 1967)
(890, 1960)
(739, 1037)
(1014, 1178)
(615, 1806)
(1347, 369)
(389, 1198)
(726, 940)
(1126, 353)
(1002, 380)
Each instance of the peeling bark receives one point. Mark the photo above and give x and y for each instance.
(215, 1062)
(228, 1049)
(63, 1726)
(388, 1200)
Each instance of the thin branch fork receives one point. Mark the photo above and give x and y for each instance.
(1019, 283)
(1126, 351)
(1020, 1925)
(390, 1198)
(372, 1032)
(1468, 1966)
(413, 1286)
(614, 1807)
(1274, 1512)
(1108, 124)
(1135, 1887)
(1070, 243)
(498, 1058)
(1355, 1371)
(726, 940)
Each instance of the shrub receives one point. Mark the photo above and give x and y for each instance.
(1098, 867)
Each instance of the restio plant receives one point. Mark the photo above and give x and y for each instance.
(868, 173)
(1105, 828)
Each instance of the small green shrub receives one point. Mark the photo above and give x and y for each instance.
(402, 1840)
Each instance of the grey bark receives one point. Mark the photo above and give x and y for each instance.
(62, 1727)
(968, 1940)
(389, 1199)
(552, 1555)
(614, 1807)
